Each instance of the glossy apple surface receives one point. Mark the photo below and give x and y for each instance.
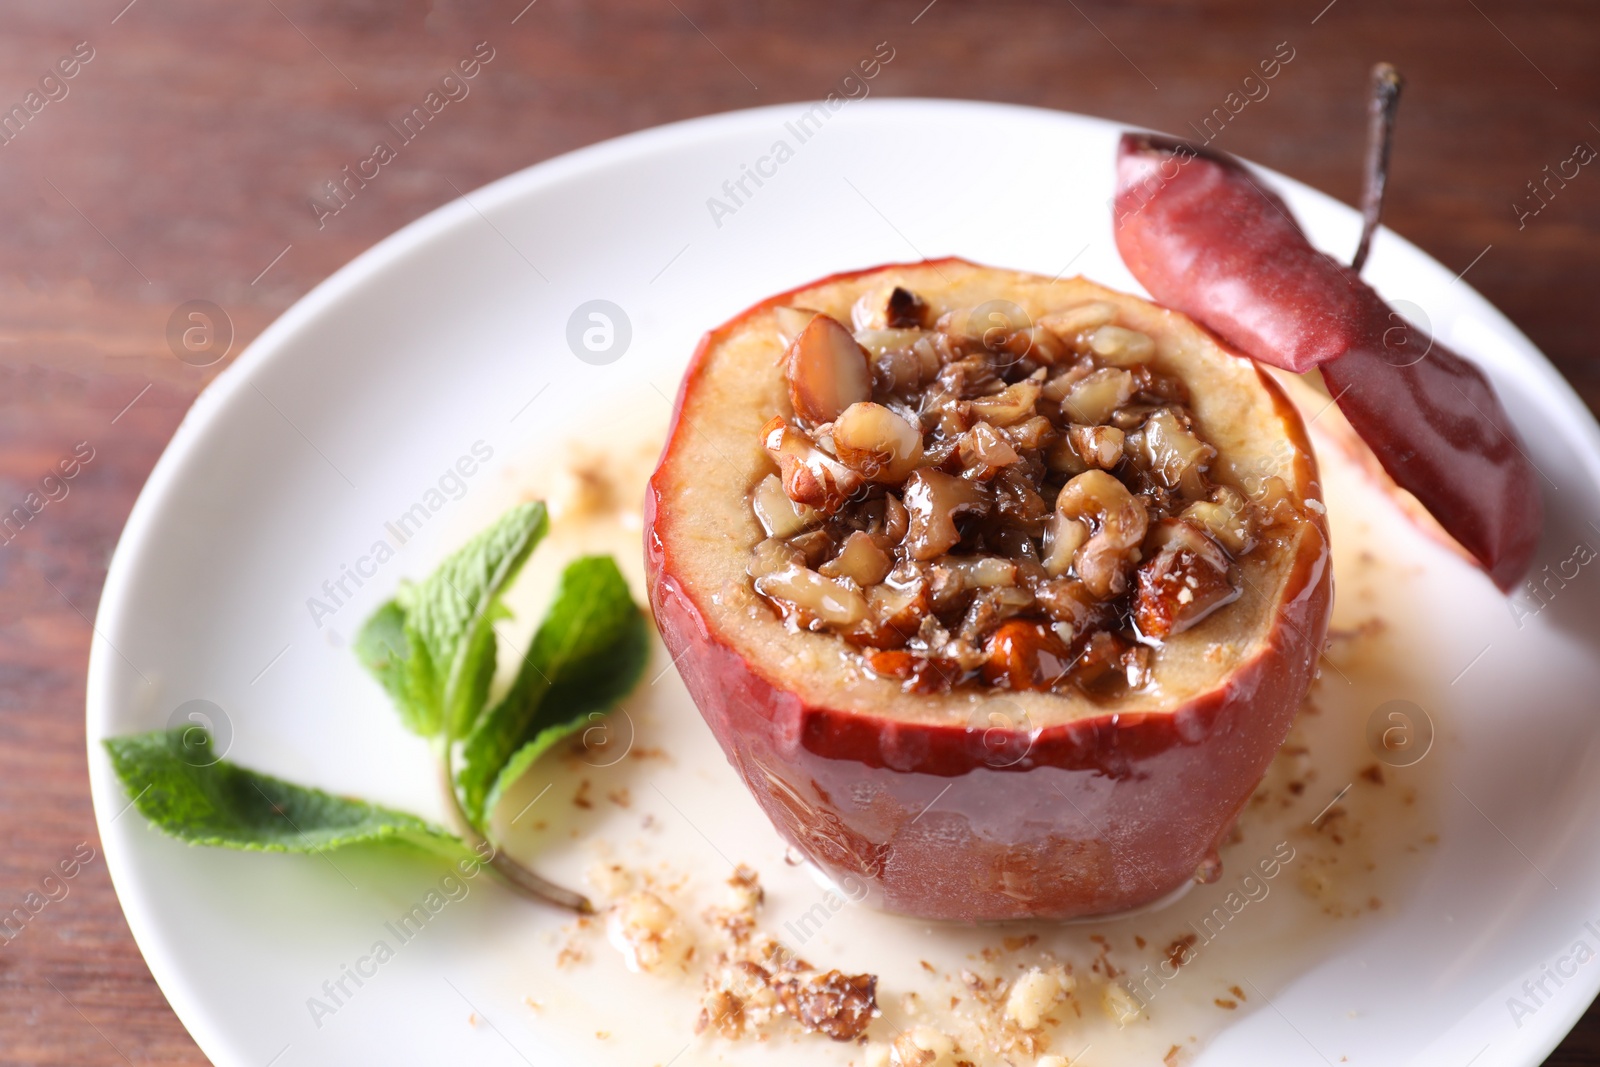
(983, 805)
(1203, 235)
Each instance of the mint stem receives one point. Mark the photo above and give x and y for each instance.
(521, 879)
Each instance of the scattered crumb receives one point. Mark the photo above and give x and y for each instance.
(754, 982)
(1178, 951)
(646, 930)
(745, 885)
(1226, 1004)
(837, 1004)
(610, 880)
(1119, 1005)
(582, 490)
(581, 797)
(923, 1046)
(1031, 996)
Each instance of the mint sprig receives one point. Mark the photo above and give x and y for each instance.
(448, 624)
(184, 790)
(433, 649)
(586, 655)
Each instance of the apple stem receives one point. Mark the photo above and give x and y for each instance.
(1381, 108)
(520, 878)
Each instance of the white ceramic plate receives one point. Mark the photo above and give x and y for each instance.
(1459, 880)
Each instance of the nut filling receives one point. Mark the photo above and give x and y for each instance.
(982, 500)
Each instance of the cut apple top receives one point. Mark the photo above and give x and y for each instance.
(987, 480)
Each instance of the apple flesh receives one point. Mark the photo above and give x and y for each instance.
(981, 803)
(1203, 236)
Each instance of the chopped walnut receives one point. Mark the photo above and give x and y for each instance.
(923, 1046)
(837, 1004)
(1184, 581)
(1031, 997)
(646, 930)
(923, 445)
(737, 920)
(1119, 1005)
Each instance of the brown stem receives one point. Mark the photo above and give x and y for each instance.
(1385, 100)
(520, 878)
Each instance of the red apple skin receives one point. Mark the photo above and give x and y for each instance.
(975, 824)
(1204, 237)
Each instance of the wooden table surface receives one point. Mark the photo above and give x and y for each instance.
(177, 163)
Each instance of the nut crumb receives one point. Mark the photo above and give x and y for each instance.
(755, 980)
(610, 880)
(1119, 1005)
(645, 929)
(1178, 953)
(746, 885)
(837, 1004)
(923, 1046)
(1031, 996)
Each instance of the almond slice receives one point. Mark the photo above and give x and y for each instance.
(827, 371)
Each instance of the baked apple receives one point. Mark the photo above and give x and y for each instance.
(999, 592)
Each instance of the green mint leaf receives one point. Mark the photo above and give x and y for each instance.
(384, 649)
(587, 654)
(449, 617)
(530, 753)
(577, 702)
(177, 782)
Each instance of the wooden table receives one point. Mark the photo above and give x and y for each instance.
(178, 160)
